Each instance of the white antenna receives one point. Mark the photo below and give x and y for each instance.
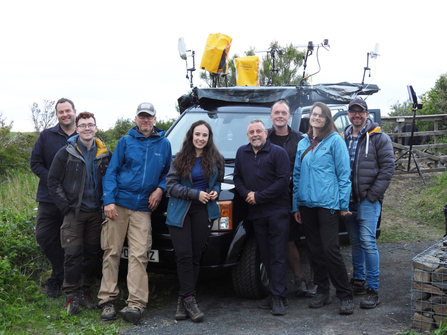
(375, 53)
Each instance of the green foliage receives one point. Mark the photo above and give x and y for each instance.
(15, 149)
(122, 127)
(286, 66)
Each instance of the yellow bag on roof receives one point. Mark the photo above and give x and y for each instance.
(215, 56)
(247, 71)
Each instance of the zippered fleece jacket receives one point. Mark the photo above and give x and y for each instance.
(50, 141)
(373, 163)
(66, 179)
(181, 194)
(139, 165)
(267, 173)
(322, 178)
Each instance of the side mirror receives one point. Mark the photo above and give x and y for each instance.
(182, 48)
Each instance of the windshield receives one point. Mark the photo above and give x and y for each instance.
(229, 129)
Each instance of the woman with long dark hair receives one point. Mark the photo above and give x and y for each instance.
(193, 183)
(321, 191)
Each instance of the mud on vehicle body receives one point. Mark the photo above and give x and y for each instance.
(231, 244)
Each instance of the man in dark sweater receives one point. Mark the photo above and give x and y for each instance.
(75, 183)
(49, 218)
(261, 177)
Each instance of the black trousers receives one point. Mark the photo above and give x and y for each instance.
(322, 227)
(272, 234)
(81, 240)
(189, 242)
(48, 224)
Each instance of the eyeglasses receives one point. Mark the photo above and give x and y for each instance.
(320, 116)
(353, 112)
(149, 117)
(83, 126)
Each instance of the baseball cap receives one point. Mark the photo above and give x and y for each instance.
(146, 107)
(358, 102)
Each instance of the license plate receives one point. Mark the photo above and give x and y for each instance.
(152, 255)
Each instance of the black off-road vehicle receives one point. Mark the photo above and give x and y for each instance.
(231, 245)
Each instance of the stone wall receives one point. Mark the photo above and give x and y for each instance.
(429, 287)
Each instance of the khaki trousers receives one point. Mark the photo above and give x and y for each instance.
(137, 227)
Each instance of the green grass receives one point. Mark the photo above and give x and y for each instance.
(419, 216)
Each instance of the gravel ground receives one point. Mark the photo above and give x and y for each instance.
(227, 314)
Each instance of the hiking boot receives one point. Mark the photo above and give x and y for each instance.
(277, 306)
(86, 300)
(371, 300)
(267, 302)
(108, 312)
(320, 299)
(311, 289)
(131, 314)
(358, 286)
(181, 313)
(53, 291)
(346, 307)
(72, 305)
(300, 287)
(192, 309)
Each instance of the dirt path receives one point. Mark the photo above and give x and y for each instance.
(227, 314)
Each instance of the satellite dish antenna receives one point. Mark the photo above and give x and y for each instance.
(182, 48)
(183, 55)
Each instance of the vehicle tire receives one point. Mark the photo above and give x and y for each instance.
(249, 276)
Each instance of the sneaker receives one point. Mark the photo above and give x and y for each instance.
(346, 307)
(319, 300)
(53, 291)
(86, 300)
(181, 313)
(277, 306)
(108, 312)
(192, 309)
(300, 287)
(311, 289)
(72, 305)
(371, 300)
(358, 286)
(131, 314)
(267, 303)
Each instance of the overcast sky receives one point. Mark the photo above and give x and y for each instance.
(109, 56)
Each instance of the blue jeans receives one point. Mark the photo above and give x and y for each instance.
(361, 227)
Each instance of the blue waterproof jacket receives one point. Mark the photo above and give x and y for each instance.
(322, 178)
(138, 166)
(181, 194)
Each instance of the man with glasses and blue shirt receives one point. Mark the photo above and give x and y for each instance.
(74, 182)
(132, 188)
(372, 167)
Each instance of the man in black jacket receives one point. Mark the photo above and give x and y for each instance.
(49, 218)
(75, 183)
(372, 167)
(261, 177)
(281, 134)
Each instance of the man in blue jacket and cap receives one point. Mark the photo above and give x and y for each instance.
(132, 188)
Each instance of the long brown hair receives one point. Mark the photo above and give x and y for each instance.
(185, 159)
(329, 125)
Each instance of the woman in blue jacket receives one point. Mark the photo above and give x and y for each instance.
(193, 183)
(321, 191)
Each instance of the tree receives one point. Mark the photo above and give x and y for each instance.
(435, 100)
(15, 149)
(43, 118)
(287, 62)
